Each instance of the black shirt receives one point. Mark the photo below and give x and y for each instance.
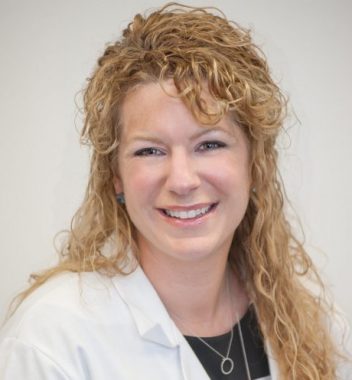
(253, 344)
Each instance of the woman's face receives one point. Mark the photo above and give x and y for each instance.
(186, 185)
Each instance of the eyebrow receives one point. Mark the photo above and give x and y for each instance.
(152, 138)
(212, 129)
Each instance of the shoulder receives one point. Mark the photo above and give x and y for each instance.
(63, 301)
(91, 326)
(62, 325)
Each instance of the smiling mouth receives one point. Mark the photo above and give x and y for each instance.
(189, 214)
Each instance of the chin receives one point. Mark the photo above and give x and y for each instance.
(195, 251)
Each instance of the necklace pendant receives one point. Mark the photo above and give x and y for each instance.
(227, 363)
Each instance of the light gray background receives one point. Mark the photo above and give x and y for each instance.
(48, 49)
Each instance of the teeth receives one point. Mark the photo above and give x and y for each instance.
(187, 214)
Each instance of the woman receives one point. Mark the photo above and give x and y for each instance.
(180, 263)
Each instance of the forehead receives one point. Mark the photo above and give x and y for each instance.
(153, 104)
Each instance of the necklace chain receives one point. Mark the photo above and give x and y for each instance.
(248, 373)
(226, 359)
(215, 350)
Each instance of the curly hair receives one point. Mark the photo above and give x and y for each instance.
(197, 46)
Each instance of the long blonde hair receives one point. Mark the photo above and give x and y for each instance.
(196, 46)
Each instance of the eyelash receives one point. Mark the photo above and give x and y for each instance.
(149, 152)
(211, 145)
(203, 147)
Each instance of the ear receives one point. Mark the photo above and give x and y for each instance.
(117, 185)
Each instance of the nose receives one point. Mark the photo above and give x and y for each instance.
(182, 176)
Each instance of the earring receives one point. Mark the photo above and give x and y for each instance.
(254, 190)
(120, 198)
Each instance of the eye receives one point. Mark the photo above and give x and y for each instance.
(210, 145)
(149, 152)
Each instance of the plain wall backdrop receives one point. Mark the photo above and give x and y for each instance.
(49, 48)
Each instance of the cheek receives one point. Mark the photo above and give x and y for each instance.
(139, 184)
(230, 176)
(234, 187)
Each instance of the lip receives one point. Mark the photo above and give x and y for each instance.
(191, 221)
(187, 208)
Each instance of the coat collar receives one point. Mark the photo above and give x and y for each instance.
(148, 312)
(153, 321)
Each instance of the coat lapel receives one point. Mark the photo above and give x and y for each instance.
(273, 366)
(154, 323)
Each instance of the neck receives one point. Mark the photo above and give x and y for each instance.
(203, 297)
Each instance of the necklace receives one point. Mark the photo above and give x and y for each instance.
(227, 364)
(227, 359)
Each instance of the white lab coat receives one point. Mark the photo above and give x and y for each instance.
(95, 328)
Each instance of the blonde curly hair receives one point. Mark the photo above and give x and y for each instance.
(194, 46)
